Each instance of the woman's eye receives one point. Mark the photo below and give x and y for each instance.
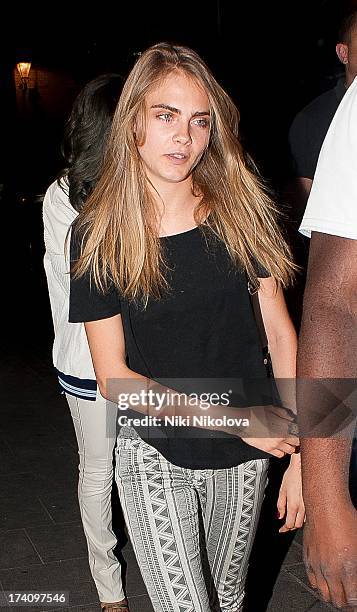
(165, 117)
(204, 123)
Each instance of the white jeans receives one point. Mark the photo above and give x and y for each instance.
(95, 426)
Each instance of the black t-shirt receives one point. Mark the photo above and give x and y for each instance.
(203, 328)
(309, 129)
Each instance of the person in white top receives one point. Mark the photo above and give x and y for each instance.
(94, 418)
(328, 350)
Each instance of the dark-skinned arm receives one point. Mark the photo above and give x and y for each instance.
(328, 350)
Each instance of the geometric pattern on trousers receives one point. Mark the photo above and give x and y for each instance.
(158, 537)
(240, 548)
(165, 535)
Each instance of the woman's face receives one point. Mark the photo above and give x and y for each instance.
(177, 129)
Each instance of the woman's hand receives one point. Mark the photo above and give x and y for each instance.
(290, 501)
(277, 447)
(270, 430)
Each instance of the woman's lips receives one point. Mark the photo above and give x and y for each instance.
(177, 158)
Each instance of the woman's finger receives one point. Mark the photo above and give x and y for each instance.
(293, 441)
(277, 453)
(287, 448)
(300, 518)
(281, 504)
(290, 519)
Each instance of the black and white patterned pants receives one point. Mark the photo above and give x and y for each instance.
(191, 530)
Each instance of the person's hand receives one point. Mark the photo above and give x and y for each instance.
(277, 447)
(290, 501)
(270, 428)
(330, 555)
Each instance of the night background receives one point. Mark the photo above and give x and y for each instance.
(272, 58)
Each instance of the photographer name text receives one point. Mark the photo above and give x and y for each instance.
(180, 421)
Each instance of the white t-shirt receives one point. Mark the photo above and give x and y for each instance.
(332, 205)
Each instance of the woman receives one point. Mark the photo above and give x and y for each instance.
(161, 256)
(94, 419)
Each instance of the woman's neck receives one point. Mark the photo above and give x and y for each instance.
(175, 205)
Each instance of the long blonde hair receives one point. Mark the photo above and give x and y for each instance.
(117, 227)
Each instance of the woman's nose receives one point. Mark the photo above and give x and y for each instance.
(182, 134)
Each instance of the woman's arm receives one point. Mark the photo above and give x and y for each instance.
(107, 345)
(282, 341)
(115, 380)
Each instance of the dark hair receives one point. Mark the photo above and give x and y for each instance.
(86, 135)
(347, 23)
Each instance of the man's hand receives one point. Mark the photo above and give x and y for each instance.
(330, 556)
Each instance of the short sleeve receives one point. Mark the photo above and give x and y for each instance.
(332, 205)
(86, 302)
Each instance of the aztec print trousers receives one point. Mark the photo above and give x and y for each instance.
(191, 530)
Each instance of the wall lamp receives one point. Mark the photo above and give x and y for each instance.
(24, 71)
